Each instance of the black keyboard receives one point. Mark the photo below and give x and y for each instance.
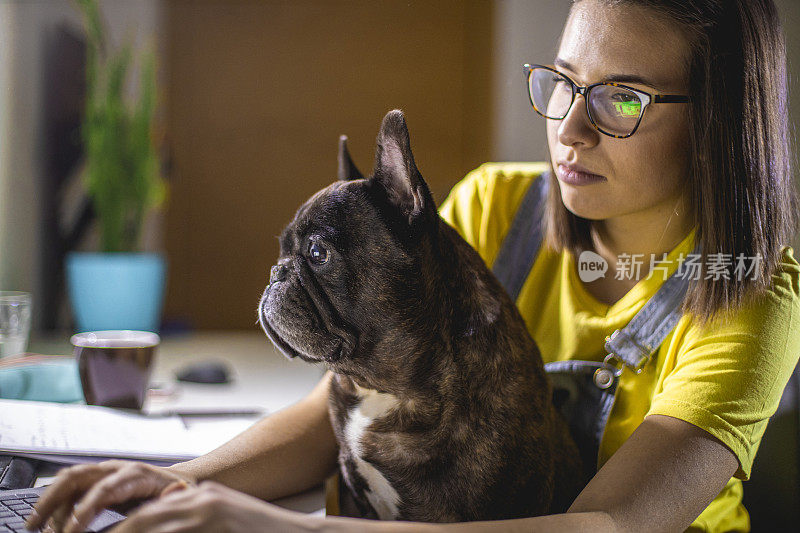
(16, 505)
(14, 511)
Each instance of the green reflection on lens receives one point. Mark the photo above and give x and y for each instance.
(628, 109)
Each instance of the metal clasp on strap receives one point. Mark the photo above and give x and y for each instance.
(604, 376)
(615, 363)
(644, 352)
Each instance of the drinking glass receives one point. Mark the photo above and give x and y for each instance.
(15, 322)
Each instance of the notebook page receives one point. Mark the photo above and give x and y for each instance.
(49, 428)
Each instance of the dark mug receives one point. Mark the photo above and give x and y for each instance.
(115, 366)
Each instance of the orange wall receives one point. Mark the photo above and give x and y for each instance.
(258, 94)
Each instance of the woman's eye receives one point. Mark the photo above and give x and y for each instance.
(625, 97)
(318, 253)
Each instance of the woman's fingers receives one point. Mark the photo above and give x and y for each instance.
(209, 507)
(160, 523)
(175, 486)
(131, 481)
(95, 487)
(79, 493)
(180, 511)
(68, 485)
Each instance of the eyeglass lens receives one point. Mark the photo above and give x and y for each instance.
(615, 110)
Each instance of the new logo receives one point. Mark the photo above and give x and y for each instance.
(591, 266)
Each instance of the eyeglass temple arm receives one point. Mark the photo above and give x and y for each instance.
(670, 98)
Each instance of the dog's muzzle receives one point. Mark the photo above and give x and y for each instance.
(328, 319)
(277, 273)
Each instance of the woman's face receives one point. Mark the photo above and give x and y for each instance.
(645, 174)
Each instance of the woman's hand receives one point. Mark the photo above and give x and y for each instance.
(80, 492)
(215, 508)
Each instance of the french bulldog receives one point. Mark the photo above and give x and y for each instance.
(439, 400)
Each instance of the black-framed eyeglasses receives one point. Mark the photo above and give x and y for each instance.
(614, 109)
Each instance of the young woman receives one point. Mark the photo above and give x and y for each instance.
(667, 128)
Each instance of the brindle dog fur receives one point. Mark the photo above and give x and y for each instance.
(439, 399)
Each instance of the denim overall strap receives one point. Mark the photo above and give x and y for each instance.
(636, 343)
(522, 242)
(584, 391)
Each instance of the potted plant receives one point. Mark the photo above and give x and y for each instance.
(119, 287)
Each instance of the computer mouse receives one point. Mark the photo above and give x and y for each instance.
(205, 372)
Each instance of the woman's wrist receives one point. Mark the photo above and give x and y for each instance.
(184, 473)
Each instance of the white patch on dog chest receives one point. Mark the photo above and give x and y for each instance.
(373, 405)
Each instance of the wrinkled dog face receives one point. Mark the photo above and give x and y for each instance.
(348, 278)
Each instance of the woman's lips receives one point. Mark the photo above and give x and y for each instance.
(574, 177)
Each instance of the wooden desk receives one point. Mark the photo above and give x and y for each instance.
(261, 377)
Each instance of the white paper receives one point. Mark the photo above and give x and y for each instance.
(50, 428)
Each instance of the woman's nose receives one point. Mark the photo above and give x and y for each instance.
(576, 128)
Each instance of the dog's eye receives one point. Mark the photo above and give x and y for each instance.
(318, 253)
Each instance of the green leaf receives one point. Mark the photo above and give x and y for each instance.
(122, 175)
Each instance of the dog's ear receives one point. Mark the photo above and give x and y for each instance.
(397, 173)
(347, 169)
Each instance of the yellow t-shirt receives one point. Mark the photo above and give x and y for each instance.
(726, 379)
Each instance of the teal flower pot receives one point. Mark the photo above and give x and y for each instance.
(116, 290)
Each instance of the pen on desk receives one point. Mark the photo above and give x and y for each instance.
(210, 412)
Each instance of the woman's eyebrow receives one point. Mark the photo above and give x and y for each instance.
(619, 78)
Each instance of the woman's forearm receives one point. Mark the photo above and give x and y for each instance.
(282, 454)
(591, 521)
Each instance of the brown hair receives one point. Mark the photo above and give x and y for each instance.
(743, 198)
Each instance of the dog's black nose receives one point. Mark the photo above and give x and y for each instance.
(277, 273)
